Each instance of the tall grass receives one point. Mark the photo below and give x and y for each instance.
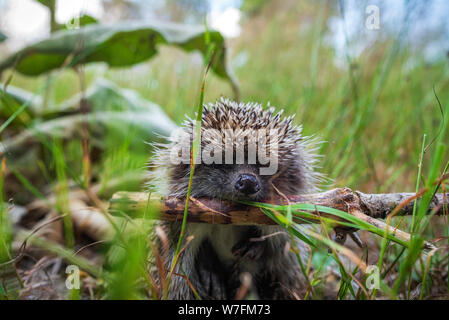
(371, 115)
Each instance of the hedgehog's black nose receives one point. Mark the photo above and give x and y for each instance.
(247, 184)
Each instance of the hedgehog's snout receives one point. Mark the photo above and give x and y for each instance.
(247, 184)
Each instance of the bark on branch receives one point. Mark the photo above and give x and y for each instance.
(377, 206)
(368, 207)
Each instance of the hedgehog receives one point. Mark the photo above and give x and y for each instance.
(232, 164)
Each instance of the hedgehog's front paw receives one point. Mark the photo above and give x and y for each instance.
(249, 248)
(251, 245)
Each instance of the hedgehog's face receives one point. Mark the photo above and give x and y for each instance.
(240, 181)
(229, 181)
(246, 153)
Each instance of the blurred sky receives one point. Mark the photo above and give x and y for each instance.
(26, 21)
(426, 22)
(421, 25)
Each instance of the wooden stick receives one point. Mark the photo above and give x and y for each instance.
(368, 207)
(377, 206)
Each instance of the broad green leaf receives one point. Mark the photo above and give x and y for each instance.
(104, 95)
(18, 95)
(144, 127)
(117, 45)
(13, 99)
(119, 112)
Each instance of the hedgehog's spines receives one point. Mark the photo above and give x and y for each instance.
(226, 114)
